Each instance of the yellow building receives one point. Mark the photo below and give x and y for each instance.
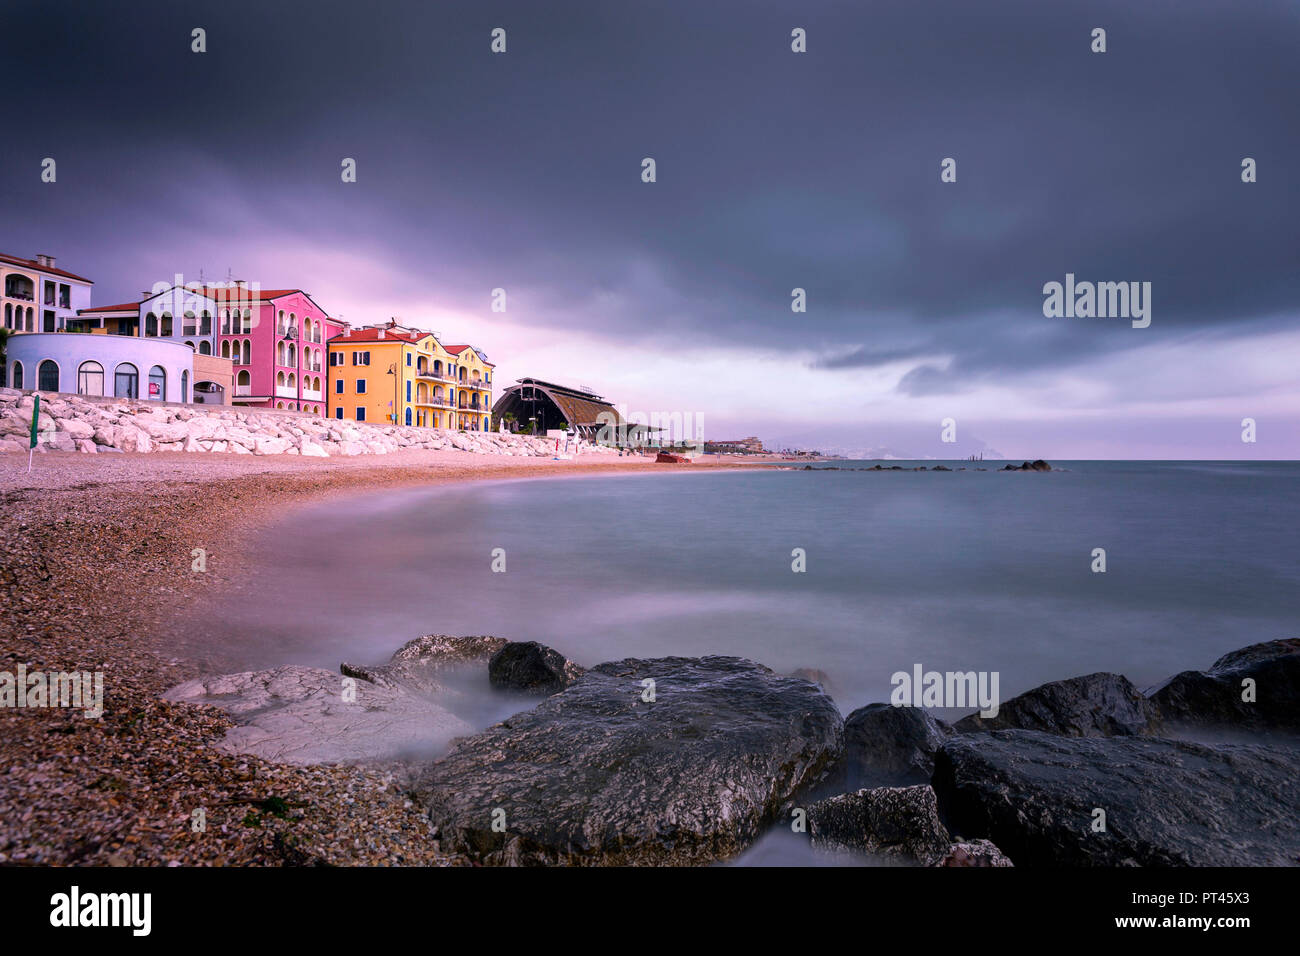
(392, 373)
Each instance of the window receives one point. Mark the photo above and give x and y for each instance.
(9, 315)
(408, 391)
(185, 386)
(157, 383)
(360, 358)
(48, 320)
(150, 325)
(126, 381)
(65, 296)
(90, 379)
(338, 387)
(205, 347)
(361, 386)
(361, 414)
(408, 359)
(18, 375)
(49, 293)
(408, 416)
(338, 413)
(47, 376)
(336, 358)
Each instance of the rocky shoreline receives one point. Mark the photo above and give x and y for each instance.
(74, 423)
(687, 761)
(95, 551)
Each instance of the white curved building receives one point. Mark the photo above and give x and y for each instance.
(95, 365)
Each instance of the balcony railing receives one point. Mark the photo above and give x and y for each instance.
(312, 396)
(243, 390)
(436, 376)
(286, 391)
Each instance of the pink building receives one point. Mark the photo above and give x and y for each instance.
(275, 339)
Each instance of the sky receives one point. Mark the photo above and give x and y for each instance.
(774, 171)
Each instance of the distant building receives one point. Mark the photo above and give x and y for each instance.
(38, 297)
(740, 446)
(391, 373)
(534, 406)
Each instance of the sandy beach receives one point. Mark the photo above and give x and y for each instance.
(96, 554)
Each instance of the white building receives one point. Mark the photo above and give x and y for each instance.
(36, 296)
(108, 365)
(177, 313)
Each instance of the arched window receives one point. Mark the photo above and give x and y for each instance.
(47, 376)
(293, 380)
(225, 322)
(243, 383)
(279, 323)
(166, 328)
(248, 320)
(31, 321)
(279, 379)
(157, 384)
(279, 354)
(9, 315)
(90, 379)
(205, 347)
(126, 381)
(225, 349)
(189, 343)
(18, 375)
(248, 353)
(185, 386)
(408, 416)
(150, 325)
(205, 323)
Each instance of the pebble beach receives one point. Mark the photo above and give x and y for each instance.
(95, 556)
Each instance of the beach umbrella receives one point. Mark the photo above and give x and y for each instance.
(36, 415)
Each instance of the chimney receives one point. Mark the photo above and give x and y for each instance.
(381, 333)
(45, 260)
(347, 332)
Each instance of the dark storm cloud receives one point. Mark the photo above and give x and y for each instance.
(776, 170)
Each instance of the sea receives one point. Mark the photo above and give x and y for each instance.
(954, 571)
(1144, 568)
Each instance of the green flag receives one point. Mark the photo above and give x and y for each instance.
(36, 414)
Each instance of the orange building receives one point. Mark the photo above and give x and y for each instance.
(391, 373)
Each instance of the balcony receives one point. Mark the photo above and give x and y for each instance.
(243, 390)
(311, 396)
(286, 391)
(435, 376)
(434, 402)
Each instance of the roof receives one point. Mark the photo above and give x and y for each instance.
(124, 307)
(577, 406)
(457, 349)
(232, 292)
(372, 335)
(37, 267)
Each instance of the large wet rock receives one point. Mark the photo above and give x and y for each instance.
(301, 715)
(1167, 802)
(900, 822)
(596, 774)
(1216, 696)
(1098, 705)
(888, 746)
(418, 663)
(532, 668)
